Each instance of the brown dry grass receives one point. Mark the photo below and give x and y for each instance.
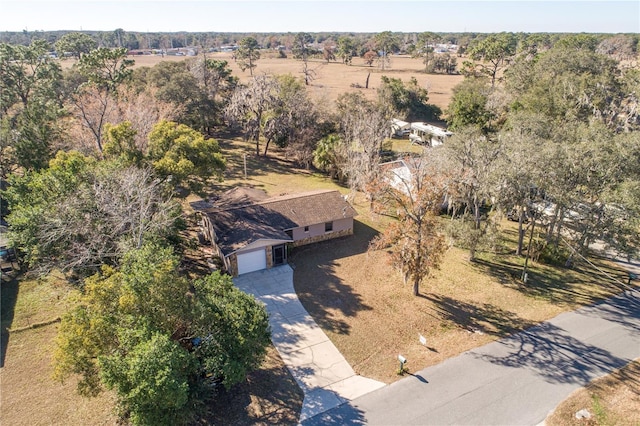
(612, 400)
(335, 78)
(371, 316)
(29, 395)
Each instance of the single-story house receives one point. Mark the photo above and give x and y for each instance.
(250, 231)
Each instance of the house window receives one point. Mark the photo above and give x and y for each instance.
(306, 229)
(328, 226)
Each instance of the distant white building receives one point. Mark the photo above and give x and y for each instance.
(400, 128)
(428, 134)
(399, 175)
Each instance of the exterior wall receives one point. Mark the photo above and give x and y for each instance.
(341, 228)
(207, 229)
(269, 250)
(232, 264)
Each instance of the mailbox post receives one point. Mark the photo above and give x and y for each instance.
(403, 361)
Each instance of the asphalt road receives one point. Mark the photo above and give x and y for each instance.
(515, 381)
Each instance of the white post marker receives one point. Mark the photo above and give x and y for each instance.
(423, 340)
(403, 361)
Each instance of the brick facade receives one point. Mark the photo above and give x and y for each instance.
(324, 237)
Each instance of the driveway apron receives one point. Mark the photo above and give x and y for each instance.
(320, 370)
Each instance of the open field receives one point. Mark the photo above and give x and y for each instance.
(335, 78)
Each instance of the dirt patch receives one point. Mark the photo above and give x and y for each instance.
(270, 395)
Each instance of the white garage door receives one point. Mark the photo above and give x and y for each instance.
(251, 261)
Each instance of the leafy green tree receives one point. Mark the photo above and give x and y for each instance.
(567, 84)
(247, 54)
(183, 154)
(386, 42)
(409, 101)
(587, 42)
(327, 156)
(199, 89)
(159, 339)
(120, 143)
(468, 105)
(106, 68)
(347, 49)
(495, 51)
(26, 74)
(30, 106)
(425, 49)
(77, 44)
(473, 161)
(519, 168)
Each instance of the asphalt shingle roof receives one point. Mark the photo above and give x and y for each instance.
(239, 221)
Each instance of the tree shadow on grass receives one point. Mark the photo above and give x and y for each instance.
(480, 318)
(269, 396)
(8, 298)
(317, 285)
(554, 354)
(557, 285)
(236, 152)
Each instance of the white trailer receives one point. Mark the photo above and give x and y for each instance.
(400, 128)
(428, 134)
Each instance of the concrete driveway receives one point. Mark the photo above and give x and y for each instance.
(320, 370)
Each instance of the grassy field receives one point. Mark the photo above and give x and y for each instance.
(334, 78)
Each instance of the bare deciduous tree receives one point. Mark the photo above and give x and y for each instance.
(363, 128)
(117, 210)
(413, 242)
(250, 103)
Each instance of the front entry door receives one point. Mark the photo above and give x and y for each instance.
(279, 255)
